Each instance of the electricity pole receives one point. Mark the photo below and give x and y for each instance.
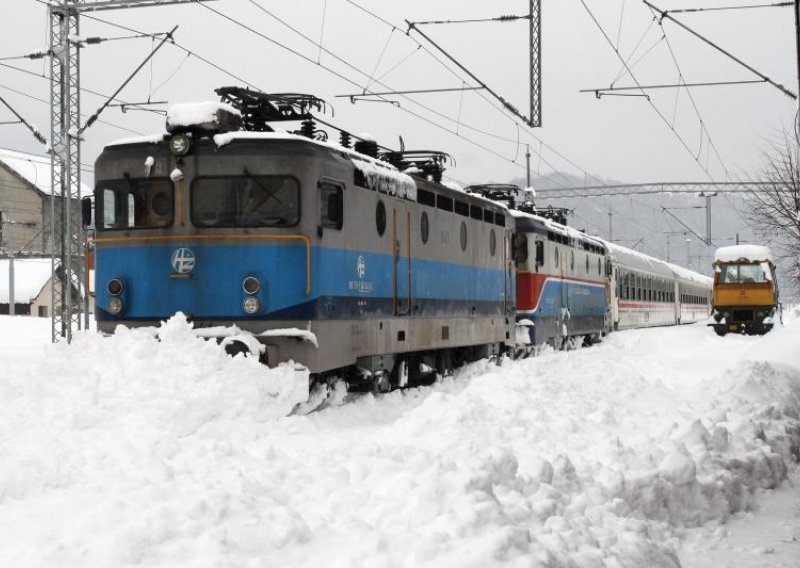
(70, 276)
(536, 62)
(528, 163)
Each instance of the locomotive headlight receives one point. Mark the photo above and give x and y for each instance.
(115, 306)
(251, 305)
(114, 286)
(180, 145)
(251, 285)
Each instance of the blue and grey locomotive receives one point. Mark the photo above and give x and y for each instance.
(325, 254)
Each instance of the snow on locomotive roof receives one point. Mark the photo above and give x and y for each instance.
(745, 253)
(190, 114)
(555, 227)
(148, 139)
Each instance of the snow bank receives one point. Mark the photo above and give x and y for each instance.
(124, 450)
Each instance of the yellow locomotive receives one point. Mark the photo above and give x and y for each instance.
(745, 296)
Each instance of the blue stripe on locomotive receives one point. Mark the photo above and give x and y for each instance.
(214, 290)
(581, 298)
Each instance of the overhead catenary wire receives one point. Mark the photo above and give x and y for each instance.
(492, 103)
(46, 102)
(456, 121)
(722, 8)
(35, 131)
(178, 45)
(352, 82)
(82, 90)
(703, 127)
(636, 81)
(666, 15)
(509, 18)
(94, 117)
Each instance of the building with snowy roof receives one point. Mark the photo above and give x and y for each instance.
(26, 231)
(25, 207)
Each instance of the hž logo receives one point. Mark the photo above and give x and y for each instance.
(183, 260)
(361, 267)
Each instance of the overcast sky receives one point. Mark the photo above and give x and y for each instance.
(619, 138)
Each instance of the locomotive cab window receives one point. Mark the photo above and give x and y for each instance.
(134, 203)
(331, 205)
(245, 201)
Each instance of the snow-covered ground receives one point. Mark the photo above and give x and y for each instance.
(658, 448)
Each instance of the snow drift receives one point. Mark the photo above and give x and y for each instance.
(126, 451)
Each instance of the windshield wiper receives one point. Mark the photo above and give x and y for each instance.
(270, 192)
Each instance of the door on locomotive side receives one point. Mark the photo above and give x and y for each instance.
(401, 260)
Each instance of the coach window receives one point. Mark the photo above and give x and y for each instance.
(380, 218)
(463, 235)
(492, 242)
(424, 228)
(331, 202)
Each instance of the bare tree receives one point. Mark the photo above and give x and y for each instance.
(773, 209)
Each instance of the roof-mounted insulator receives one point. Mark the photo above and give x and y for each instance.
(367, 147)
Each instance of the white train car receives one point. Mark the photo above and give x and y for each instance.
(646, 291)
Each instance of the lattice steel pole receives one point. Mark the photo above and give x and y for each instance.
(536, 63)
(66, 238)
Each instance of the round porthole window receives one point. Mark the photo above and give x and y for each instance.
(161, 204)
(492, 243)
(463, 235)
(424, 228)
(380, 218)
